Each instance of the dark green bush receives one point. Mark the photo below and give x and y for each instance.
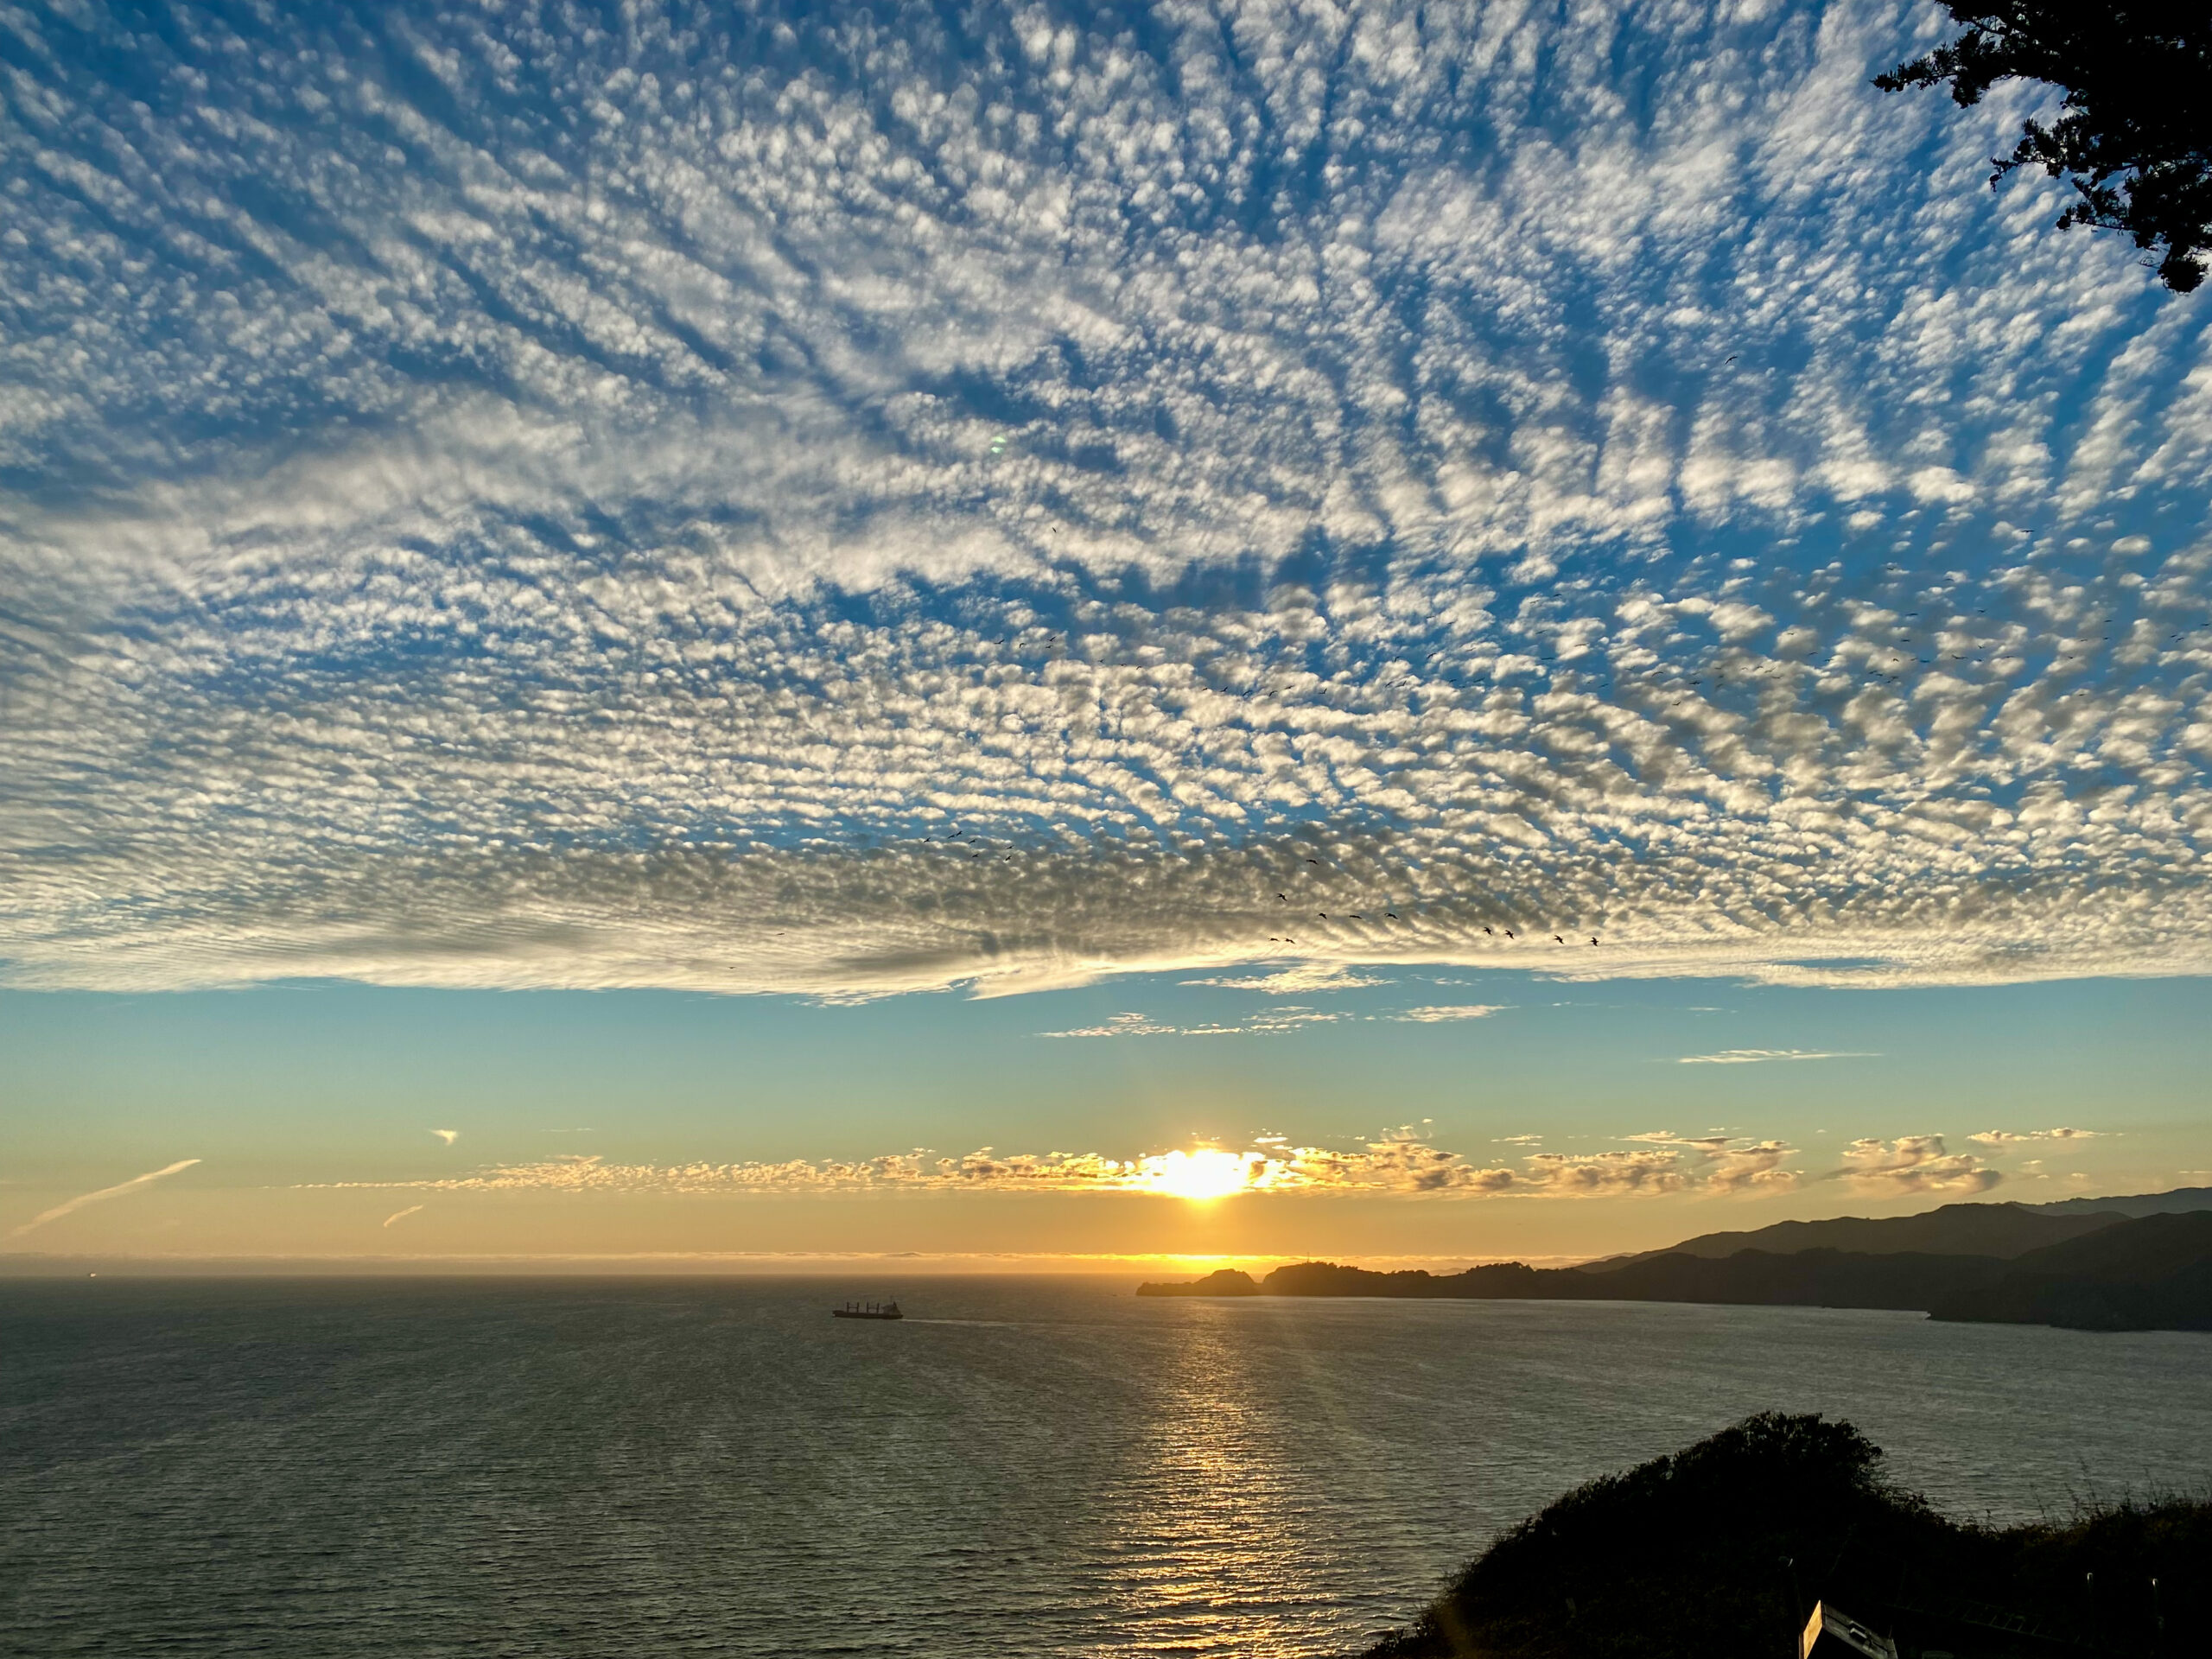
(1721, 1550)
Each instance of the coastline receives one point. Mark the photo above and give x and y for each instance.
(2149, 1273)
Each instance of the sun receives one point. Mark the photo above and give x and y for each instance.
(1205, 1173)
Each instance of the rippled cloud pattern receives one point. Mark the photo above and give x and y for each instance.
(1400, 1163)
(846, 499)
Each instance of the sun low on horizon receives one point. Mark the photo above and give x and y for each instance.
(1201, 1175)
(1088, 828)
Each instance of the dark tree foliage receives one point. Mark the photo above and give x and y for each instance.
(2136, 137)
(1719, 1551)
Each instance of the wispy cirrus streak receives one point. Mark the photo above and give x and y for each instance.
(1762, 1056)
(69, 1206)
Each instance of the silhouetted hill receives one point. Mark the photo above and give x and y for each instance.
(2000, 1229)
(1500, 1281)
(2180, 1201)
(1719, 1552)
(1223, 1281)
(2001, 1262)
(2153, 1273)
(1814, 1278)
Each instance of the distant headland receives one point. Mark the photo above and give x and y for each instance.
(2091, 1269)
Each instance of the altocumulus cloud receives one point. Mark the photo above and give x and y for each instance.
(1274, 1020)
(1915, 1163)
(846, 500)
(1302, 980)
(1401, 1162)
(1762, 1056)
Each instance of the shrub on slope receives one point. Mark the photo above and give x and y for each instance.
(1720, 1550)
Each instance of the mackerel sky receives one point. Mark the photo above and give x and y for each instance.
(1206, 526)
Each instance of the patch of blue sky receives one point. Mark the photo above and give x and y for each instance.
(495, 503)
(306, 1082)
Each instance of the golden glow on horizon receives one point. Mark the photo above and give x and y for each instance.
(1200, 1176)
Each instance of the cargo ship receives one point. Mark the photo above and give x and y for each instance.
(866, 1311)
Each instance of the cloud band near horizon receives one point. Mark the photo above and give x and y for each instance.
(1400, 1164)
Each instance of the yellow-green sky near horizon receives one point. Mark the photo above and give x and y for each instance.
(1550, 1120)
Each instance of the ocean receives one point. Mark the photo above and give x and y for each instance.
(318, 1468)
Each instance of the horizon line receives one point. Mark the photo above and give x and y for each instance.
(732, 1264)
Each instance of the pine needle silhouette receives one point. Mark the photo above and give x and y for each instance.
(2135, 140)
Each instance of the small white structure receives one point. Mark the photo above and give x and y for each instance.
(1832, 1635)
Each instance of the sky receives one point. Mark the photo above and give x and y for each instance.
(1011, 634)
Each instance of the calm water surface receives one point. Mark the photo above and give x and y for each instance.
(320, 1471)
